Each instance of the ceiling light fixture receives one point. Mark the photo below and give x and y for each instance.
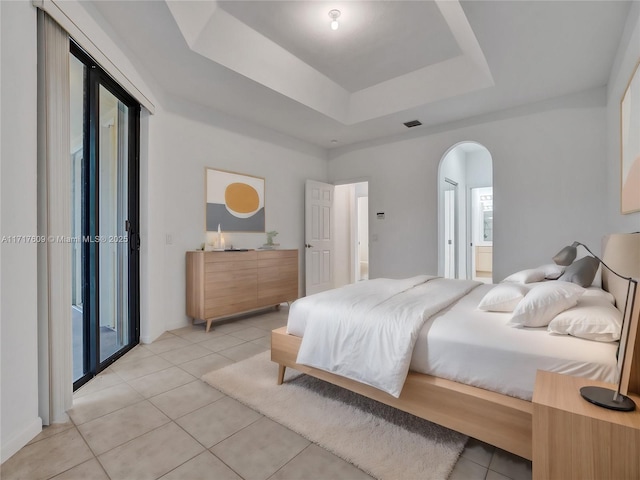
(334, 14)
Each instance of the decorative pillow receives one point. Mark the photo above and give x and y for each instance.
(544, 302)
(525, 276)
(598, 292)
(593, 318)
(503, 297)
(552, 271)
(581, 272)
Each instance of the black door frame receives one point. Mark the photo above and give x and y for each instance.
(94, 78)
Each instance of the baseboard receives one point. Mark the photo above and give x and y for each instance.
(11, 446)
(177, 324)
(146, 340)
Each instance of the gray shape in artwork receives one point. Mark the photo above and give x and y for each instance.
(218, 214)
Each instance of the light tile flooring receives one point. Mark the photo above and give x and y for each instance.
(149, 416)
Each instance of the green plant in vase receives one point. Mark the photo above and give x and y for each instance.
(270, 236)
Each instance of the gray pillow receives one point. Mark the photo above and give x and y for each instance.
(581, 271)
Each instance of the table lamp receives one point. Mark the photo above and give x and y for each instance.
(605, 397)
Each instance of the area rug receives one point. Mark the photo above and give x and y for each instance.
(382, 441)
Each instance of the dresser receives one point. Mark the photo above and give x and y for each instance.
(221, 284)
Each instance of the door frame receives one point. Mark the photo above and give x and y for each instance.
(462, 224)
(361, 237)
(96, 77)
(455, 242)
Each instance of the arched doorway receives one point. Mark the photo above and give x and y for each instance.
(465, 212)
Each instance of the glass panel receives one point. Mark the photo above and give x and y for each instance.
(113, 248)
(76, 77)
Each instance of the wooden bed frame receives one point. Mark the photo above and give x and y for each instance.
(494, 418)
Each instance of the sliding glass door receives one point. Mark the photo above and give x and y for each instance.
(105, 132)
(113, 213)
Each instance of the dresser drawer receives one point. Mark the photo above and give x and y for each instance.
(220, 284)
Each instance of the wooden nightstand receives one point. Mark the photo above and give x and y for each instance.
(573, 439)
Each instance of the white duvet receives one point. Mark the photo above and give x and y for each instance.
(367, 331)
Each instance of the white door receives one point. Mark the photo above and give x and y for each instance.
(318, 236)
(450, 241)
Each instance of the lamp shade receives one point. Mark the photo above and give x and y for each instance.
(567, 255)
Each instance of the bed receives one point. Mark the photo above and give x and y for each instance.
(478, 408)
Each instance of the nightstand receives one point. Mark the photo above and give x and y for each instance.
(574, 439)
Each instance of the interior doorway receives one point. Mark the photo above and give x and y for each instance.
(362, 267)
(351, 261)
(465, 213)
(481, 245)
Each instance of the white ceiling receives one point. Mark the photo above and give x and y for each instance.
(278, 63)
(355, 56)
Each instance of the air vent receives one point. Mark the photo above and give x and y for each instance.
(412, 123)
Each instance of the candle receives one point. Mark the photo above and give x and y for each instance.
(221, 241)
(211, 238)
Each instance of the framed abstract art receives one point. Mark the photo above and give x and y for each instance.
(630, 145)
(234, 201)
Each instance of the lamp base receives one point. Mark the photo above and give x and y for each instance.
(603, 397)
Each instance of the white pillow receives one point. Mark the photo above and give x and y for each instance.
(598, 292)
(552, 271)
(544, 302)
(503, 297)
(593, 318)
(525, 276)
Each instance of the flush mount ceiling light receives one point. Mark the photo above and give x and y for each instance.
(334, 14)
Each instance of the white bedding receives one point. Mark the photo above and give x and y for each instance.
(478, 348)
(367, 331)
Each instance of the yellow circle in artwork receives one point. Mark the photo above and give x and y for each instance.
(241, 198)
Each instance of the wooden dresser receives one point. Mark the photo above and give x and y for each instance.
(221, 284)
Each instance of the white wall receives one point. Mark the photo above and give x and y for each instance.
(190, 138)
(547, 168)
(479, 169)
(627, 57)
(152, 231)
(19, 420)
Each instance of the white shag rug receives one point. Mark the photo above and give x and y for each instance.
(382, 441)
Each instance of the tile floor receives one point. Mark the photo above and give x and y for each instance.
(149, 416)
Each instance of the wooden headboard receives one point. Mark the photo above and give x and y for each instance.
(621, 252)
